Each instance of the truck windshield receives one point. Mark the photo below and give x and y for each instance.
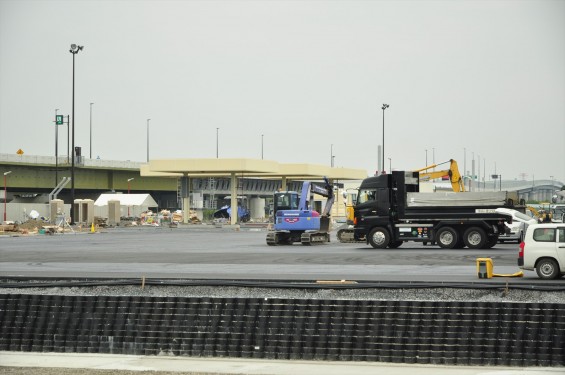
(366, 195)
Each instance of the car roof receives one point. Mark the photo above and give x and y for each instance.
(547, 225)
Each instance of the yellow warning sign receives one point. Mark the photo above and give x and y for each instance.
(20, 152)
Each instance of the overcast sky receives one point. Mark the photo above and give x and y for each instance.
(306, 77)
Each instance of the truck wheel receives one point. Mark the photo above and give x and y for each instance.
(379, 238)
(475, 238)
(395, 244)
(490, 242)
(547, 268)
(447, 238)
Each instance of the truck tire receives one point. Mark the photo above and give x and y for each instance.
(379, 238)
(547, 269)
(475, 238)
(447, 238)
(395, 244)
(491, 241)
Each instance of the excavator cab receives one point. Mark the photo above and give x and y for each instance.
(286, 200)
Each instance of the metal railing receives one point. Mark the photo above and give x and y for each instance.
(64, 160)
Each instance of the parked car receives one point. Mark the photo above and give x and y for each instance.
(543, 250)
(516, 229)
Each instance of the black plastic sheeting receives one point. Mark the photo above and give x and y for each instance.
(454, 333)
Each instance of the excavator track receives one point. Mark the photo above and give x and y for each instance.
(346, 236)
(311, 238)
(271, 238)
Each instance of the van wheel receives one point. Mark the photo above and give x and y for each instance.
(475, 238)
(379, 238)
(447, 238)
(547, 269)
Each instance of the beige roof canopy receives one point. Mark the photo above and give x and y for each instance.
(247, 167)
(235, 168)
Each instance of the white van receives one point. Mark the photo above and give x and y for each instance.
(543, 250)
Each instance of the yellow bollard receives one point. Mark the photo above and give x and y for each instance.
(92, 230)
(484, 268)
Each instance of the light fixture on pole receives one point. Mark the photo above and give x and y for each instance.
(385, 106)
(74, 50)
(217, 142)
(56, 147)
(148, 139)
(129, 180)
(552, 188)
(5, 192)
(91, 130)
(497, 177)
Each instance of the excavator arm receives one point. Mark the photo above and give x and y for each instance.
(325, 191)
(453, 173)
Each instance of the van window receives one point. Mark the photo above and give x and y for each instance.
(544, 235)
(561, 234)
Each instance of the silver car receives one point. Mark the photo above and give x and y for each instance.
(517, 229)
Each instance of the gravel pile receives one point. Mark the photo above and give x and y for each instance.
(400, 294)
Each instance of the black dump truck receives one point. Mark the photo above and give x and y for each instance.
(390, 210)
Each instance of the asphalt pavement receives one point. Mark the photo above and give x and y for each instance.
(208, 252)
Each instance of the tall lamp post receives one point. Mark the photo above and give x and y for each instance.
(385, 106)
(148, 139)
(261, 146)
(91, 130)
(217, 142)
(74, 50)
(56, 147)
(5, 193)
(389, 165)
(129, 180)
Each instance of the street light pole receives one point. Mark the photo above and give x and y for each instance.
(56, 148)
(148, 139)
(261, 146)
(385, 106)
(74, 50)
(129, 179)
(217, 142)
(389, 165)
(91, 130)
(5, 193)
(332, 155)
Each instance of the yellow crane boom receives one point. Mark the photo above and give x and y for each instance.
(453, 173)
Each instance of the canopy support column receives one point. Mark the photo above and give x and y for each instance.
(186, 199)
(233, 203)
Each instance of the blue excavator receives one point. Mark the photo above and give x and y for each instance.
(296, 221)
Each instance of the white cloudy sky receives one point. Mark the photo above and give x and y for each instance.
(487, 77)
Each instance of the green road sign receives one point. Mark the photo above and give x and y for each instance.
(59, 119)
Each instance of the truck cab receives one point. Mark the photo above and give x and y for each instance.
(390, 210)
